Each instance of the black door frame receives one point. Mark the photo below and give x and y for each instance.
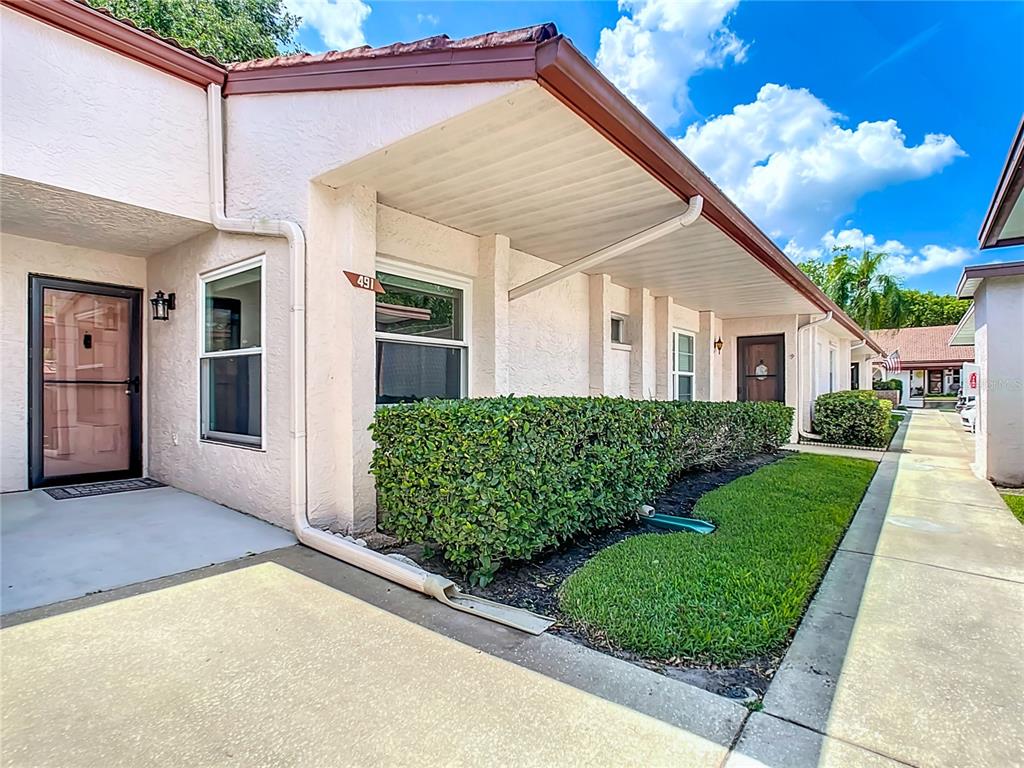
(742, 342)
(36, 284)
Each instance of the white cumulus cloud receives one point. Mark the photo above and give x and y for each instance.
(427, 18)
(654, 49)
(902, 261)
(789, 162)
(928, 259)
(338, 22)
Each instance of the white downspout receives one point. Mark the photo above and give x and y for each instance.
(343, 549)
(799, 379)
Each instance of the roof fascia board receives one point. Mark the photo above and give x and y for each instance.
(568, 76)
(82, 21)
(965, 290)
(1007, 192)
(452, 66)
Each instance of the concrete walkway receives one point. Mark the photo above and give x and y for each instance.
(59, 550)
(910, 653)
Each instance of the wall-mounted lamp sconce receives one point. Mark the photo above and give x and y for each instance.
(719, 345)
(162, 305)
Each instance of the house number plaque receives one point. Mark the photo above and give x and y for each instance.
(366, 282)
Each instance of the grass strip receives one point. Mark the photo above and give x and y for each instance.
(1016, 505)
(737, 592)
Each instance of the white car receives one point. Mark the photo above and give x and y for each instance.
(969, 417)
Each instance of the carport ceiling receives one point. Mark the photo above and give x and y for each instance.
(44, 212)
(528, 167)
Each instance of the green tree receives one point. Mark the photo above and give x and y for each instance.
(860, 287)
(230, 30)
(928, 308)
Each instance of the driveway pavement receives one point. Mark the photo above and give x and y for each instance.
(58, 550)
(910, 653)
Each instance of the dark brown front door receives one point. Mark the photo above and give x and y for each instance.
(935, 382)
(761, 368)
(85, 365)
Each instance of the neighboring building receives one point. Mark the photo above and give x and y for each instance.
(532, 231)
(928, 365)
(994, 324)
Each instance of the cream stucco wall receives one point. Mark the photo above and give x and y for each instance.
(79, 117)
(278, 143)
(19, 257)
(252, 480)
(549, 329)
(999, 322)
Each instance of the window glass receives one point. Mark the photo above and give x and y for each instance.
(232, 398)
(684, 353)
(417, 308)
(684, 387)
(233, 311)
(407, 373)
(618, 330)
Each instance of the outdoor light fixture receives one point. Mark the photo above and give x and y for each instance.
(162, 305)
(718, 345)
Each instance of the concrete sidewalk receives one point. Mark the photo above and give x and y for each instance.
(911, 651)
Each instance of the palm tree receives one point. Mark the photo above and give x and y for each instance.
(865, 292)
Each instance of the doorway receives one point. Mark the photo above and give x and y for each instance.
(85, 382)
(761, 368)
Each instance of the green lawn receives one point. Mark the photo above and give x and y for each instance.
(737, 592)
(1016, 505)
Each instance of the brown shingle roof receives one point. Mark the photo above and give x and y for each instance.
(535, 34)
(923, 345)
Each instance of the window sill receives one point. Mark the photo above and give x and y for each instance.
(622, 347)
(229, 444)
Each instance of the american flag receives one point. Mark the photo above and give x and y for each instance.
(892, 362)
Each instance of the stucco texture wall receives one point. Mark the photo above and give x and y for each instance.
(253, 481)
(321, 132)
(77, 116)
(999, 321)
(20, 256)
(548, 333)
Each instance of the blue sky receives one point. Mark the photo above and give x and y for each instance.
(883, 124)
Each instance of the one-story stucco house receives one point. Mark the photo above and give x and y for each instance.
(340, 231)
(929, 366)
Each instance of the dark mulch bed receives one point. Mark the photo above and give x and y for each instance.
(534, 584)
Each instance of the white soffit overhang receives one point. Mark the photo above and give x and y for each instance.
(526, 166)
(43, 212)
(963, 335)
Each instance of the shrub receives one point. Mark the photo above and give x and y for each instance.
(494, 479)
(853, 418)
(896, 384)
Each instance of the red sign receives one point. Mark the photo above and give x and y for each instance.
(366, 282)
(973, 380)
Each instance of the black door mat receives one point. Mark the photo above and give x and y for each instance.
(101, 489)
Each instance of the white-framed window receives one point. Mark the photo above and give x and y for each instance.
(682, 365)
(232, 375)
(618, 332)
(832, 356)
(421, 328)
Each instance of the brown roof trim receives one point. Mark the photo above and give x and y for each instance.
(122, 37)
(440, 67)
(571, 78)
(1007, 192)
(981, 272)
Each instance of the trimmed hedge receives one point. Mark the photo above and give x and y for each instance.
(497, 479)
(858, 417)
(896, 384)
